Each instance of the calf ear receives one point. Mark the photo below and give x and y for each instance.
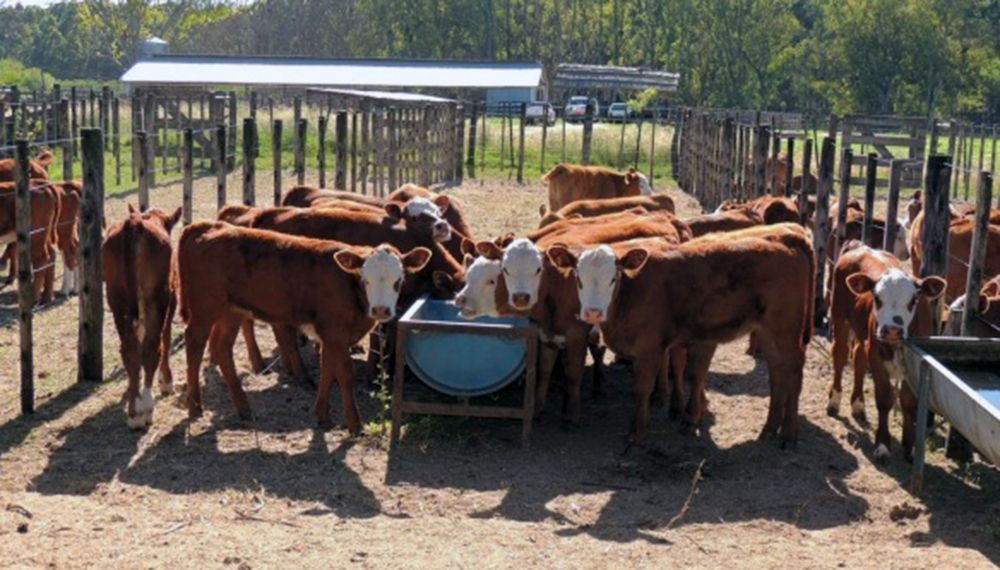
(561, 258)
(859, 283)
(442, 202)
(468, 247)
(991, 289)
(131, 209)
(394, 210)
(443, 282)
(468, 260)
(504, 240)
(416, 259)
(173, 219)
(932, 287)
(633, 261)
(542, 210)
(349, 261)
(490, 250)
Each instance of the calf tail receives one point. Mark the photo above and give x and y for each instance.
(129, 241)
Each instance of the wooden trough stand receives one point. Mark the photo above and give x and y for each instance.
(959, 379)
(463, 360)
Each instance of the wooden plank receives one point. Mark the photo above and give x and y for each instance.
(276, 155)
(220, 167)
(879, 140)
(354, 151)
(91, 331)
(936, 221)
(187, 172)
(321, 149)
(977, 255)
(588, 133)
(142, 143)
(871, 171)
(804, 191)
(892, 208)
(520, 143)
(301, 130)
(842, 198)
(249, 163)
(821, 222)
(340, 179)
(25, 277)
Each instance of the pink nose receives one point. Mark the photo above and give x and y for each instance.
(381, 313)
(520, 300)
(890, 333)
(593, 316)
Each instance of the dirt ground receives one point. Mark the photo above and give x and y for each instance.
(78, 489)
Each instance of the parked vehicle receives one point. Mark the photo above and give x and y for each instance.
(619, 112)
(576, 108)
(537, 110)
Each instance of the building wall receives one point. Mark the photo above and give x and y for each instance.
(507, 94)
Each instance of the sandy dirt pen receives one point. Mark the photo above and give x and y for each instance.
(78, 489)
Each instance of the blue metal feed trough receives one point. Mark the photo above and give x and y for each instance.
(445, 356)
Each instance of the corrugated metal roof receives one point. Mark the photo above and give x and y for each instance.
(313, 72)
(571, 75)
(386, 95)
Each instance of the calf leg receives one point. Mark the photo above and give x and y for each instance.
(884, 399)
(839, 351)
(644, 371)
(677, 357)
(151, 337)
(335, 364)
(858, 393)
(662, 390)
(699, 359)
(547, 357)
(253, 350)
(166, 336)
(287, 340)
(221, 343)
(573, 366)
(130, 359)
(195, 339)
(597, 354)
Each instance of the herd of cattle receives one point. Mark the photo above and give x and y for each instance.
(611, 265)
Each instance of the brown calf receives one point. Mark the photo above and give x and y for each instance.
(603, 206)
(137, 262)
(333, 292)
(571, 182)
(44, 217)
(37, 167)
(960, 233)
(879, 303)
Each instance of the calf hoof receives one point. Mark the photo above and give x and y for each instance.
(858, 411)
(833, 405)
(245, 414)
(768, 433)
(687, 427)
(789, 443)
(325, 424)
(881, 452)
(139, 421)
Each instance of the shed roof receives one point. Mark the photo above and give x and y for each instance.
(385, 95)
(577, 76)
(319, 72)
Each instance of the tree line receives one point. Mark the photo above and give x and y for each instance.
(916, 57)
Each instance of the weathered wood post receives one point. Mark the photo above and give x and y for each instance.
(321, 149)
(340, 179)
(116, 143)
(871, 178)
(821, 222)
(276, 152)
(773, 166)
(977, 255)
(892, 207)
(231, 159)
(520, 143)
(354, 151)
(91, 332)
(652, 142)
(620, 163)
(365, 146)
(638, 143)
(459, 141)
(25, 276)
(762, 138)
(249, 162)
(564, 136)
(74, 125)
(220, 167)
(142, 141)
(588, 133)
(393, 148)
(845, 193)
(790, 167)
(67, 135)
(301, 130)
(804, 190)
(470, 153)
(187, 171)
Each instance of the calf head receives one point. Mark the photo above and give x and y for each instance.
(598, 275)
(896, 295)
(382, 272)
(913, 207)
(423, 216)
(478, 296)
(521, 268)
(157, 217)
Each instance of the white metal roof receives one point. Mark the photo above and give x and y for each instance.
(312, 72)
(386, 95)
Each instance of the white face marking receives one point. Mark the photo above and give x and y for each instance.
(478, 297)
(645, 188)
(382, 275)
(597, 273)
(895, 301)
(420, 206)
(522, 271)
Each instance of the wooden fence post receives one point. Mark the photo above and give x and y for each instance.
(977, 255)
(790, 167)
(871, 177)
(340, 127)
(276, 155)
(763, 136)
(220, 167)
(365, 146)
(187, 170)
(936, 221)
(470, 153)
(67, 135)
(300, 150)
(354, 151)
(775, 153)
(821, 222)
(321, 149)
(563, 135)
(249, 163)
(804, 190)
(91, 335)
(231, 159)
(652, 143)
(142, 141)
(892, 208)
(843, 197)
(116, 143)
(459, 141)
(588, 133)
(520, 143)
(393, 149)
(25, 276)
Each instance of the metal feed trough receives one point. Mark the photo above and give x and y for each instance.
(463, 359)
(959, 379)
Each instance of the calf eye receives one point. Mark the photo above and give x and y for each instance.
(878, 303)
(491, 282)
(537, 271)
(912, 303)
(579, 284)
(613, 279)
(397, 285)
(505, 272)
